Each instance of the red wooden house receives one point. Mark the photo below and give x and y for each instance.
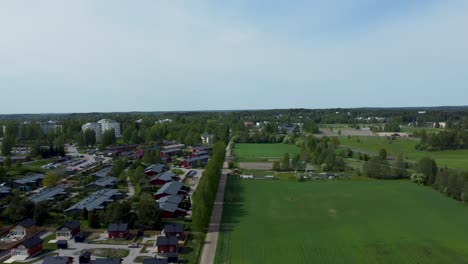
(118, 231)
(154, 169)
(163, 178)
(166, 244)
(30, 247)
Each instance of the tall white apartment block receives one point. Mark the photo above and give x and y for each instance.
(101, 126)
(107, 124)
(93, 126)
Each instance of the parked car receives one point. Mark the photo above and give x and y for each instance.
(133, 245)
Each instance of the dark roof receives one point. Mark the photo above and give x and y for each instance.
(102, 173)
(105, 261)
(166, 241)
(154, 261)
(165, 176)
(85, 254)
(27, 223)
(158, 167)
(32, 242)
(4, 190)
(96, 200)
(203, 157)
(107, 181)
(117, 227)
(73, 224)
(174, 228)
(168, 207)
(47, 194)
(30, 179)
(175, 199)
(170, 188)
(56, 260)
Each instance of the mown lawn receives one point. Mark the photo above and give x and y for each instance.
(341, 222)
(262, 152)
(457, 159)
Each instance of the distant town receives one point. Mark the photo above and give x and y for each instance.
(208, 187)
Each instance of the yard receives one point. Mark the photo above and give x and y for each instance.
(247, 152)
(457, 159)
(340, 222)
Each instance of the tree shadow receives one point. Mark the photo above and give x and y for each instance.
(233, 209)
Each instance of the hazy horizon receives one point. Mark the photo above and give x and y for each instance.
(117, 56)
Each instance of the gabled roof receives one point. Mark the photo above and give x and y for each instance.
(173, 228)
(175, 199)
(30, 179)
(171, 188)
(32, 242)
(105, 261)
(47, 194)
(166, 241)
(96, 200)
(27, 223)
(203, 157)
(168, 207)
(104, 182)
(102, 173)
(56, 260)
(154, 261)
(73, 224)
(117, 227)
(158, 168)
(165, 176)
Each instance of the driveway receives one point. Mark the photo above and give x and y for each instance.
(75, 249)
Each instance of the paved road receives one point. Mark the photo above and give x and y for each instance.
(211, 240)
(75, 249)
(131, 189)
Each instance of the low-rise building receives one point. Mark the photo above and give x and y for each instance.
(28, 248)
(118, 231)
(195, 161)
(173, 229)
(48, 194)
(166, 244)
(68, 230)
(23, 229)
(96, 201)
(154, 169)
(171, 188)
(163, 178)
(105, 182)
(169, 206)
(58, 260)
(28, 183)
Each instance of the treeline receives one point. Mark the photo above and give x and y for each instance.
(444, 140)
(323, 152)
(449, 182)
(378, 167)
(205, 194)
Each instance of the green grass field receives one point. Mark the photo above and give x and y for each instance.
(456, 159)
(263, 152)
(340, 222)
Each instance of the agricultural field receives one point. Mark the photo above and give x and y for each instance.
(247, 152)
(456, 159)
(350, 221)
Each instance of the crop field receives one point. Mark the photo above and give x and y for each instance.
(456, 159)
(351, 221)
(246, 152)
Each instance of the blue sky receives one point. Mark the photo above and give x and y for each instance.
(108, 55)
